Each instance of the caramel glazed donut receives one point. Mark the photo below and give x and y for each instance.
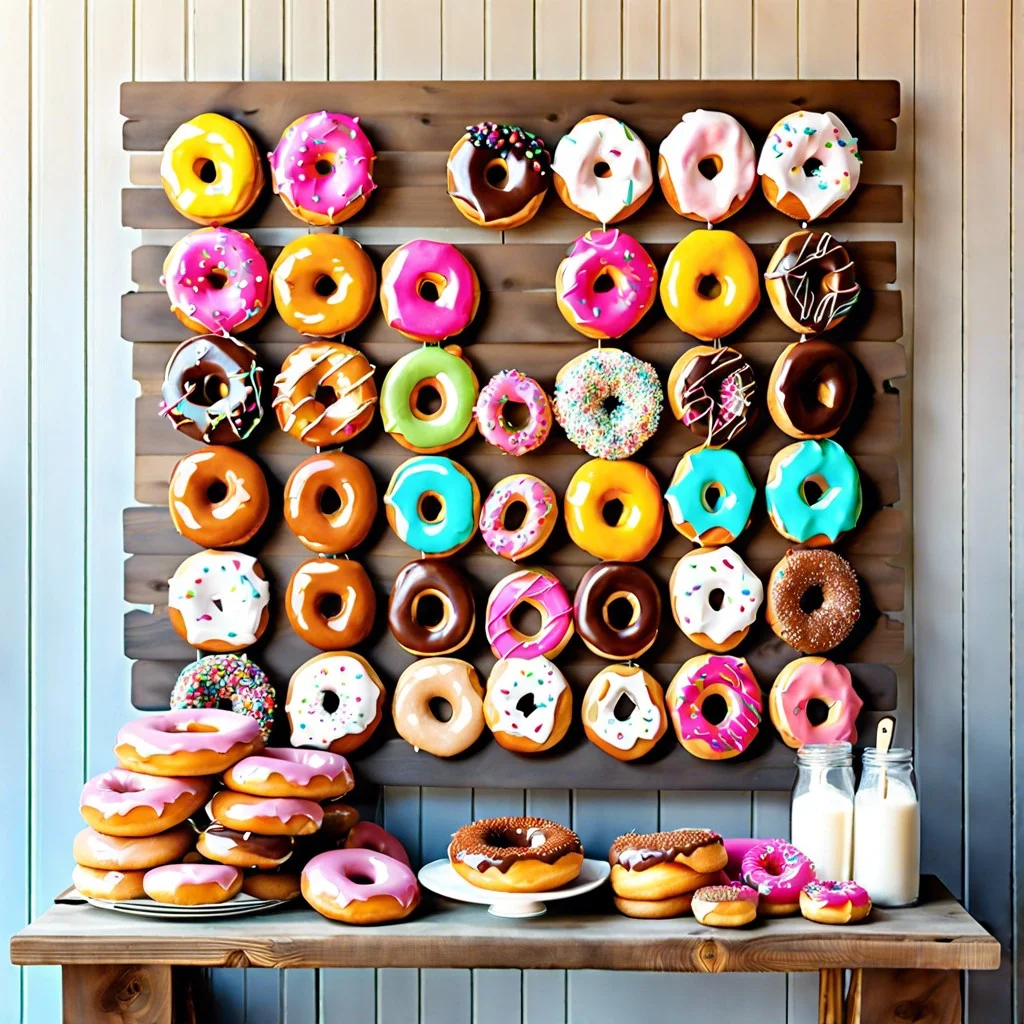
(516, 854)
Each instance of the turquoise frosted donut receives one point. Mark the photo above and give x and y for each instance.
(825, 464)
(432, 504)
(700, 470)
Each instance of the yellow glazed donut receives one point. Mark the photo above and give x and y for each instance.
(324, 285)
(592, 487)
(211, 170)
(710, 284)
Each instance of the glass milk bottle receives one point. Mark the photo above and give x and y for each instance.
(887, 828)
(822, 813)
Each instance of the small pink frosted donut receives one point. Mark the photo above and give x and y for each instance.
(323, 167)
(593, 261)
(491, 412)
(365, 835)
(778, 871)
(539, 588)
(538, 522)
(217, 281)
(360, 886)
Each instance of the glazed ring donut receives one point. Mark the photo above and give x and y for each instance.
(211, 169)
(588, 382)
(707, 136)
(596, 484)
(698, 850)
(516, 854)
(624, 738)
(108, 884)
(272, 885)
(498, 175)
(619, 637)
(605, 284)
(212, 390)
(93, 849)
(451, 680)
(711, 284)
(244, 849)
(715, 675)
(725, 906)
(443, 371)
(192, 884)
(794, 140)
(218, 497)
(602, 169)
(286, 772)
(541, 513)
(330, 502)
(811, 282)
(700, 472)
(826, 626)
(306, 374)
(365, 835)
(806, 680)
(834, 902)
(696, 579)
(429, 291)
(432, 505)
(838, 505)
(541, 590)
(331, 603)
(528, 706)
(187, 742)
(127, 803)
(360, 887)
(345, 720)
(227, 677)
(218, 600)
(441, 633)
(812, 388)
(509, 389)
(324, 285)
(265, 815)
(339, 818)
(322, 168)
(712, 391)
(779, 872)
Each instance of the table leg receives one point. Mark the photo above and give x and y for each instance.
(116, 994)
(925, 997)
(830, 996)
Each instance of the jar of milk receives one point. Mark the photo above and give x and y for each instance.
(822, 813)
(887, 828)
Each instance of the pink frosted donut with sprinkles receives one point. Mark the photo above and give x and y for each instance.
(834, 902)
(227, 677)
(541, 590)
(538, 521)
(217, 281)
(605, 284)
(323, 168)
(493, 406)
(778, 871)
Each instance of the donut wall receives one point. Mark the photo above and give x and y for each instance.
(519, 326)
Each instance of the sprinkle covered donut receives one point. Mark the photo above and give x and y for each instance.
(504, 391)
(541, 590)
(227, 677)
(632, 737)
(537, 683)
(812, 389)
(700, 471)
(779, 872)
(712, 391)
(452, 680)
(331, 603)
(808, 679)
(584, 386)
(538, 521)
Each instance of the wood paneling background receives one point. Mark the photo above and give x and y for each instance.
(66, 420)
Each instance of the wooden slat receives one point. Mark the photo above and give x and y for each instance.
(639, 32)
(508, 40)
(775, 38)
(726, 39)
(351, 31)
(680, 40)
(557, 39)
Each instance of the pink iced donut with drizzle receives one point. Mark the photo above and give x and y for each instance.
(538, 522)
(217, 281)
(778, 871)
(420, 267)
(513, 386)
(125, 803)
(287, 772)
(605, 284)
(834, 902)
(192, 884)
(543, 591)
(365, 835)
(360, 886)
(323, 168)
(808, 679)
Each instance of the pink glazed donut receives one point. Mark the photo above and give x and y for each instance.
(543, 591)
(192, 884)
(538, 522)
(778, 871)
(834, 902)
(808, 679)
(323, 168)
(360, 887)
(492, 409)
(217, 281)
(605, 284)
(124, 803)
(285, 771)
(420, 267)
(365, 835)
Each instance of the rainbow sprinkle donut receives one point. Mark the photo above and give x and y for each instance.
(226, 677)
(513, 387)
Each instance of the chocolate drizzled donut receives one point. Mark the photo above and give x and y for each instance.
(501, 842)
(711, 391)
(639, 852)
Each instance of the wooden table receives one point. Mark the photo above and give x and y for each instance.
(120, 968)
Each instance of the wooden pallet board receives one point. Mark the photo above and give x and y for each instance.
(518, 325)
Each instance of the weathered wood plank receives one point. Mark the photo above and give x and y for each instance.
(117, 994)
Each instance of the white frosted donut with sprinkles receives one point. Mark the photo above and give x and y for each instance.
(538, 520)
(528, 706)
(506, 389)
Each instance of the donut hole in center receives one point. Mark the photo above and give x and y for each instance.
(604, 282)
(329, 606)
(216, 279)
(325, 396)
(427, 402)
(330, 701)
(224, 704)
(216, 492)
(624, 708)
(325, 286)
(205, 170)
(513, 515)
(716, 598)
(330, 501)
(431, 507)
(205, 389)
(430, 286)
(515, 415)
(711, 496)
(526, 705)
(526, 619)
(710, 167)
(440, 709)
(621, 611)
(496, 174)
(817, 711)
(813, 488)
(610, 404)
(360, 879)
(430, 610)
(812, 599)
(714, 708)
(811, 166)
(323, 166)
(602, 169)
(709, 287)
(612, 512)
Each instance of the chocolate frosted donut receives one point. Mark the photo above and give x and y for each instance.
(811, 281)
(712, 390)
(812, 388)
(697, 848)
(602, 586)
(433, 578)
(796, 583)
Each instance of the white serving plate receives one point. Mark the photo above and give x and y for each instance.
(145, 907)
(440, 877)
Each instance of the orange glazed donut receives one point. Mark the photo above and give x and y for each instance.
(285, 772)
(102, 884)
(272, 885)
(244, 849)
(331, 603)
(128, 803)
(93, 849)
(516, 854)
(218, 497)
(360, 887)
(267, 815)
(190, 885)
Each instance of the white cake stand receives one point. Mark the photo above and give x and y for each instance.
(440, 877)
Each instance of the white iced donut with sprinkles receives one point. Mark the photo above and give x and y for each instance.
(528, 706)
(633, 736)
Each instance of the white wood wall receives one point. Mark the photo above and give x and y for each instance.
(66, 449)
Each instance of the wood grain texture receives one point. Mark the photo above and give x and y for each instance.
(116, 994)
(925, 997)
